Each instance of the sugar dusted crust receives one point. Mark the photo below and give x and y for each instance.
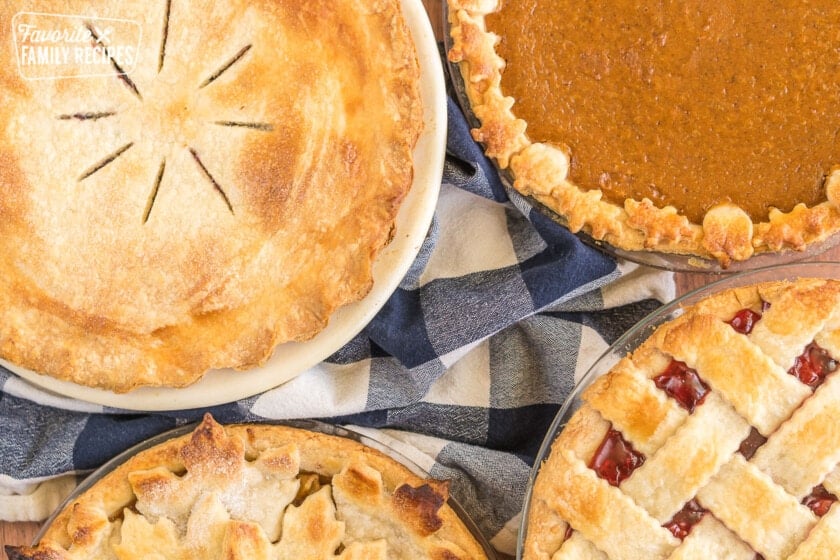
(540, 171)
(225, 197)
(756, 503)
(258, 491)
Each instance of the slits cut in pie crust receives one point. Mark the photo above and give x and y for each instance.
(258, 492)
(224, 196)
(541, 171)
(751, 466)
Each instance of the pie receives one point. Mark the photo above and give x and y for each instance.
(258, 492)
(702, 128)
(716, 438)
(200, 183)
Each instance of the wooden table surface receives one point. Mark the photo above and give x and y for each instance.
(22, 533)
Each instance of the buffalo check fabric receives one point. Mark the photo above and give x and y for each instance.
(462, 370)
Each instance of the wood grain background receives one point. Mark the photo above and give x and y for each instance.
(23, 533)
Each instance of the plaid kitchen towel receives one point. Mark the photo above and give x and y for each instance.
(462, 370)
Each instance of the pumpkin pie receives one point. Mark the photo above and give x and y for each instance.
(695, 128)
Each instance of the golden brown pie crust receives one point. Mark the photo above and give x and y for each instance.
(755, 498)
(225, 197)
(541, 169)
(259, 491)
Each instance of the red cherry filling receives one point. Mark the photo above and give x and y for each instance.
(813, 365)
(745, 320)
(615, 459)
(819, 500)
(684, 520)
(751, 444)
(683, 384)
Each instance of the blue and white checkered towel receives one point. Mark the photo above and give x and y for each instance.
(462, 370)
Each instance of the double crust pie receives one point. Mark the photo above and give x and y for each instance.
(697, 128)
(717, 438)
(192, 203)
(258, 492)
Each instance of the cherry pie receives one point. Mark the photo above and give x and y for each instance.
(258, 492)
(719, 437)
(223, 195)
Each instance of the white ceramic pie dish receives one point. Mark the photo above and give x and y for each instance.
(291, 359)
(638, 334)
(311, 425)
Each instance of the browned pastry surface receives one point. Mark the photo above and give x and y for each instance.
(223, 197)
(689, 127)
(259, 491)
(714, 439)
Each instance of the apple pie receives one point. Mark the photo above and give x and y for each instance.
(186, 184)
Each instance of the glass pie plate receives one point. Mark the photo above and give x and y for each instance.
(392, 263)
(310, 425)
(664, 261)
(639, 333)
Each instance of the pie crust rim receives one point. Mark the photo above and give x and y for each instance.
(726, 236)
(641, 334)
(289, 360)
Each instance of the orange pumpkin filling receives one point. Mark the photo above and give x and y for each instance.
(686, 103)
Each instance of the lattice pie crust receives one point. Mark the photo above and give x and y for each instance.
(718, 438)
